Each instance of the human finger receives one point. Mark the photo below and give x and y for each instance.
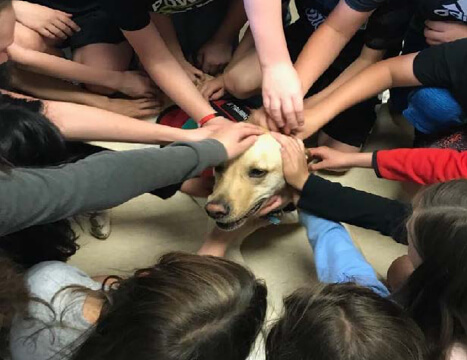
(316, 166)
(64, 27)
(218, 94)
(149, 112)
(437, 26)
(246, 129)
(432, 35)
(271, 125)
(288, 113)
(57, 31)
(318, 152)
(275, 112)
(298, 107)
(46, 33)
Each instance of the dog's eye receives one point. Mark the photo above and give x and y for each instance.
(219, 169)
(257, 173)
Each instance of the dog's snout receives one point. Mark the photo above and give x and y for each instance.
(217, 209)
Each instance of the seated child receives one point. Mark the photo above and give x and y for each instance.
(183, 307)
(435, 287)
(346, 317)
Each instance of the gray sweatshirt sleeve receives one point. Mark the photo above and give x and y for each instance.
(36, 196)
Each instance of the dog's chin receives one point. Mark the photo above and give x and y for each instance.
(264, 206)
(233, 225)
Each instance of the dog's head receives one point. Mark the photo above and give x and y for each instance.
(245, 185)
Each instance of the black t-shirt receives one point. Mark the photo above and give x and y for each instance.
(316, 11)
(438, 10)
(133, 15)
(70, 6)
(388, 25)
(443, 10)
(444, 66)
(384, 30)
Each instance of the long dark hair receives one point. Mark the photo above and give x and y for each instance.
(343, 322)
(435, 295)
(186, 307)
(29, 139)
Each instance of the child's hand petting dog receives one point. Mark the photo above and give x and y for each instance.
(238, 139)
(294, 161)
(261, 118)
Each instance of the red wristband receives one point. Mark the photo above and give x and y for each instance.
(208, 118)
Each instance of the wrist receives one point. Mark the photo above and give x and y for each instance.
(296, 197)
(271, 65)
(362, 160)
(299, 182)
(207, 118)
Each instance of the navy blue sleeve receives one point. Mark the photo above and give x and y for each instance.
(364, 5)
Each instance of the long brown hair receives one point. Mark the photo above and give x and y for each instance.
(343, 322)
(435, 295)
(186, 307)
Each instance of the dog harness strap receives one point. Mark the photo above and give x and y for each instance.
(207, 118)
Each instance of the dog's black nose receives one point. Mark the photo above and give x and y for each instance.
(217, 209)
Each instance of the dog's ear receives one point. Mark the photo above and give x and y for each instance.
(257, 117)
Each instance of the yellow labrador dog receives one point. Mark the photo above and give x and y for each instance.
(248, 185)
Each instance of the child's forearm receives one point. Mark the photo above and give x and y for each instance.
(44, 87)
(395, 72)
(332, 35)
(165, 26)
(78, 122)
(367, 58)
(265, 17)
(361, 160)
(164, 69)
(55, 66)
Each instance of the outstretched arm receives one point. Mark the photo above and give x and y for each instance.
(337, 258)
(79, 122)
(36, 196)
(281, 87)
(367, 58)
(164, 69)
(130, 83)
(335, 202)
(332, 35)
(421, 166)
(395, 72)
(50, 88)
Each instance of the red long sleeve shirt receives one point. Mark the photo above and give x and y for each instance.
(422, 166)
